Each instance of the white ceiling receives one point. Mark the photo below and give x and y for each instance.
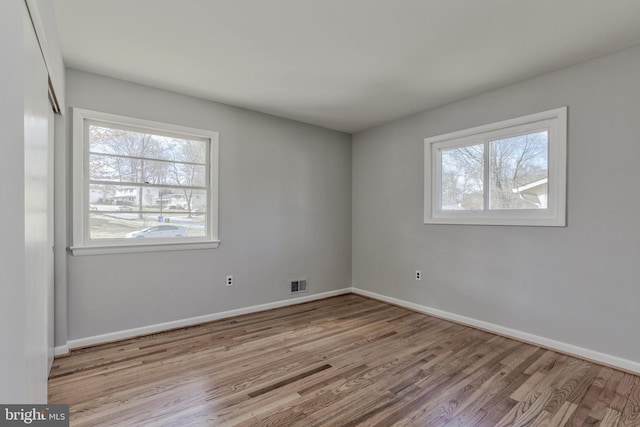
(342, 64)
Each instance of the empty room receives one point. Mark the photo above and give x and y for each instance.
(320, 213)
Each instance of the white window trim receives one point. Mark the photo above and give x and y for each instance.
(555, 121)
(82, 245)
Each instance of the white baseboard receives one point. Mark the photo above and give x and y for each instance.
(562, 347)
(145, 330)
(61, 350)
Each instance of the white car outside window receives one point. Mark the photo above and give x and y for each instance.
(162, 231)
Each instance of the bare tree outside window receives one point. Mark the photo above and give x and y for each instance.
(463, 178)
(192, 172)
(515, 162)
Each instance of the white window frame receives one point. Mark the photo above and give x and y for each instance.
(554, 121)
(82, 245)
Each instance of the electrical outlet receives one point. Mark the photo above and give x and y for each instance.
(418, 275)
(229, 280)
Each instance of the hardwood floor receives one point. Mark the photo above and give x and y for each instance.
(342, 361)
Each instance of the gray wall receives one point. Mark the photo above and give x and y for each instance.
(285, 213)
(578, 284)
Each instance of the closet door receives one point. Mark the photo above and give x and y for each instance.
(36, 210)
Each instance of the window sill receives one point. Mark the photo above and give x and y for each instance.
(526, 222)
(151, 247)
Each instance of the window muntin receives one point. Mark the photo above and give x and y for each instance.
(134, 174)
(510, 173)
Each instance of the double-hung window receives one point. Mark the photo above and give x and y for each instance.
(507, 173)
(142, 185)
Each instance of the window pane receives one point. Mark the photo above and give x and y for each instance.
(112, 222)
(105, 140)
(116, 210)
(138, 171)
(188, 175)
(518, 172)
(132, 225)
(462, 178)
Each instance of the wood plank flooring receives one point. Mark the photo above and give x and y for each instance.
(343, 361)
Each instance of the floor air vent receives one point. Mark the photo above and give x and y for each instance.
(298, 286)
